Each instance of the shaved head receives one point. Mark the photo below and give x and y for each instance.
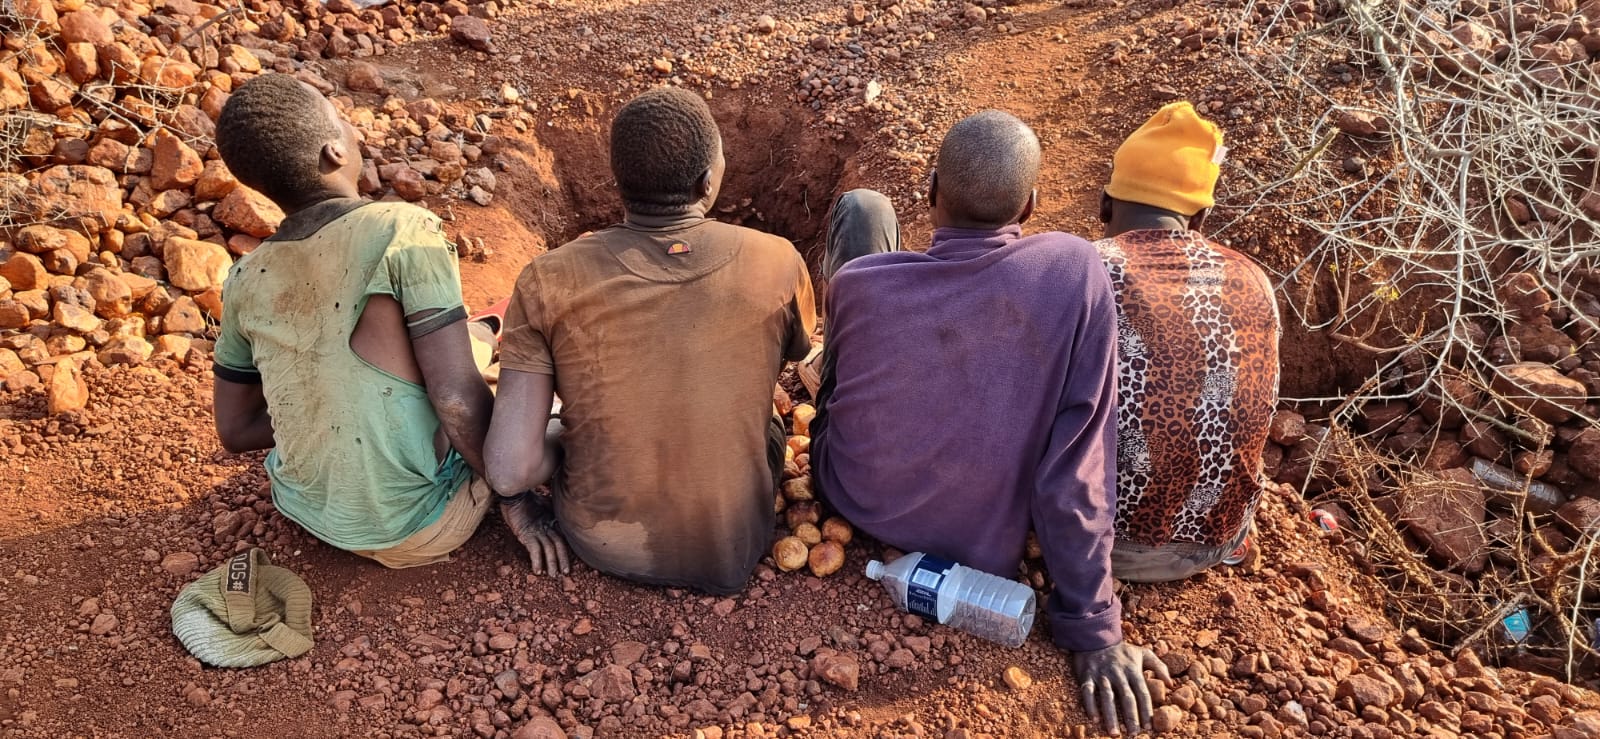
(986, 169)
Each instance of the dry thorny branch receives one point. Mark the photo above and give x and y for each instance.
(1492, 171)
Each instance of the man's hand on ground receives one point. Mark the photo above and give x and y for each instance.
(1112, 681)
(534, 524)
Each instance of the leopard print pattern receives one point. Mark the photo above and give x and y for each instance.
(1197, 380)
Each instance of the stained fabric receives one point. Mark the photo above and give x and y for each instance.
(353, 459)
(665, 342)
(1197, 369)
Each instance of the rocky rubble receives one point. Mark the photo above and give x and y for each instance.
(120, 221)
(1502, 471)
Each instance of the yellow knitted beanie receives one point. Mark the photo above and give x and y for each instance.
(1170, 162)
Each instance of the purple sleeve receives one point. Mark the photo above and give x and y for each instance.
(1074, 504)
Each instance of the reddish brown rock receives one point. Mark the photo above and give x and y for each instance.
(1540, 390)
(86, 26)
(408, 184)
(472, 32)
(75, 317)
(1360, 123)
(612, 684)
(183, 317)
(215, 181)
(77, 196)
(196, 266)
(112, 297)
(1583, 456)
(45, 239)
(24, 272)
(364, 77)
(1445, 511)
(539, 727)
(1368, 691)
(841, 670)
(67, 391)
(176, 165)
(12, 315)
(129, 350)
(249, 211)
(83, 63)
(167, 72)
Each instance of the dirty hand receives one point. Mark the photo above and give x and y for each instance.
(1113, 678)
(534, 524)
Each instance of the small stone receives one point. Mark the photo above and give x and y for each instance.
(473, 32)
(662, 66)
(175, 166)
(539, 727)
(364, 77)
(244, 209)
(180, 563)
(183, 317)
(67, 390)
(766, 24)
(841, 670)
(1367, 691)
(104, 623)
(1018, 679)
(1166, 719)
(1360, 123)
(502, 641)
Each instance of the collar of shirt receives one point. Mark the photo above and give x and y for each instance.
(962, 243)
(672, 222)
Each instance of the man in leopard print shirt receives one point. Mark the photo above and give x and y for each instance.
(1197, 330)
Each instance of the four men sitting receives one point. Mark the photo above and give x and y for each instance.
(1111, 397)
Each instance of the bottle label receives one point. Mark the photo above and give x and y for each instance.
(922, 587)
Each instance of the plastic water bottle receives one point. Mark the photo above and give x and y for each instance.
(973, 601)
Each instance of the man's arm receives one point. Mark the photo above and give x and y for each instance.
(455, 386)
(240, 409)
(519, 452)
(522, 453)
(1073, 514)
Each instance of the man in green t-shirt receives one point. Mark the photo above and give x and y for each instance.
(344, 346)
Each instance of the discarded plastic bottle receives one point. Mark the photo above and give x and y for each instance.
(973, 601)
(1516, 626)
(1542, 497)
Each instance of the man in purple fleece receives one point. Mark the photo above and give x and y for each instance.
(969, 393)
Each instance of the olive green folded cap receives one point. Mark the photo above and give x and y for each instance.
(244, 613)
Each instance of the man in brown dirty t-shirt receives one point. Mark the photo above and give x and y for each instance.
(663, 336)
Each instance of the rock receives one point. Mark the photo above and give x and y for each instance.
(129, 350)
(180, 564)
(75, 317)
(176, 346)
(196, 266)
(1017, 678)
(112, 297)
(168, 72)
(1446, 511)
(215, 181)
(183, 317)
(244, 209)
(539, 727)
(44, 239)
(626, 653)
(612, 684)
(661, 66)
(104, 623)
(79, 196)
(1474, 37)
(1540, 390)
(67, 390)
(1360, 123)
(13, 315)
(766, 24)
(364, 77)
(176, 166)
(24, 272)
(973, 14)
(86, 27)
(1581, 515)
(1367, 691)
(1584, 454)
(841, 670)
(480, 196)
(473, 32)
(1166, 719)
(408, 184)
(502, 641)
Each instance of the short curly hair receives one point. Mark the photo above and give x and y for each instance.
(661, 144)
(271, 133)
